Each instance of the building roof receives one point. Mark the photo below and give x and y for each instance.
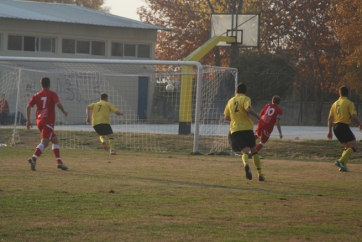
(66, 13)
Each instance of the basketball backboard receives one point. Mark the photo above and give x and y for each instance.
(244, 27)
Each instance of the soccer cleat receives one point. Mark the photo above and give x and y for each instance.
(113, 152)
(261, 178)
(248, 172)
(340, 165)
(105, 146)
(62, 166)
(32, 164)
(345, 169)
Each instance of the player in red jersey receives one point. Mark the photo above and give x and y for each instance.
(269, 116)
(45, 102)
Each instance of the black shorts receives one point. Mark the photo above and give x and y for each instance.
(103, 129)
(241, 139)
(343, 132)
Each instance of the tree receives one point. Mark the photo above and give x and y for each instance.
(348, 27)
(265, 74)
(303, 30)
(93, 4)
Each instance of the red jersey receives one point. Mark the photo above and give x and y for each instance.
(45, 101)
(268, 116)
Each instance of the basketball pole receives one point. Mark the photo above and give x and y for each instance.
(185, 111)
(233, 46)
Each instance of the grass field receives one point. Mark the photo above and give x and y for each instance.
(140, 196)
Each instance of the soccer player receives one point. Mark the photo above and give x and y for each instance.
(4, 110)
(100, 121)
(242, 138)
(339, 118)
(269, 116)
(45, 102)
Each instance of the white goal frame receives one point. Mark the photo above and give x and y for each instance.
(194, 64)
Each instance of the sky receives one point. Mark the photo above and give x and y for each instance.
(125, 8)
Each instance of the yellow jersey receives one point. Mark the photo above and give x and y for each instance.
(342, 110)
(236, 110)
(101, 112)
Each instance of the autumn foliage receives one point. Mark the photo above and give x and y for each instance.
(348, 25)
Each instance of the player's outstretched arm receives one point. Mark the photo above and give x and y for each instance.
(60, 106)
(118, 113)
(252, 112)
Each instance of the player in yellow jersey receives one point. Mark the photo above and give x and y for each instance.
(100, 121)
(339, 118)
(242, 138)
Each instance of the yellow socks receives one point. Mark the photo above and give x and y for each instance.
(346, 154)
(102, 138)
(111, 143)
(256, 160)
(245, 158)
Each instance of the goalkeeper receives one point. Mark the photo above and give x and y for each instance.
(100, 121)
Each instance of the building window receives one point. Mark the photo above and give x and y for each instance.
(117, 49)
(31, 43)
(72, 46)
(143, 51)
(68, 46)
(130, 50)
(47, 45)
(15, 42)
(98, 48)
(83, 47)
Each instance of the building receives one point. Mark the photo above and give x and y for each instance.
(51, 30)
(35, 29)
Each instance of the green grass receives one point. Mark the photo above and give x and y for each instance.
(140, 196)
(311, 150)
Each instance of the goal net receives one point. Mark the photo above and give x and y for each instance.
(168, 106)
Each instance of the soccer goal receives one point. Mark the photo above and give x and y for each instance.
(162, 101)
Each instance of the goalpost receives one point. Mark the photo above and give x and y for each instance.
(146, 91)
